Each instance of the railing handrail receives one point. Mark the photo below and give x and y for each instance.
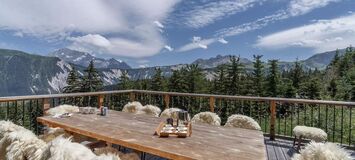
(46, 96)
(290, 100)
(282, 100)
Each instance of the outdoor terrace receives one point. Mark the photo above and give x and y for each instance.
(276, 116)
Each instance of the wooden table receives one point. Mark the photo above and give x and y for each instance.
(136, 132)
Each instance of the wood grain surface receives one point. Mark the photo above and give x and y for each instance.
(137, 132)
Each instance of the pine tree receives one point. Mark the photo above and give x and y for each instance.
(297, 74)
(124, 83)
(91, 80)
(220, 80)
(258, 76)
(335, 59)
(311, 89)
(273, 78)
(73, 82)
(287, 88)
(234, 71)
(332, 88)
(194, 79)
(177, 81)
(157, 83)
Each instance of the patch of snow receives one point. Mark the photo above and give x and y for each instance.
(111, 77)
(36, 76)
(63, 65)
(59, 80)
(32, 90)
(79, 58)
(82, 74)
(209, 75)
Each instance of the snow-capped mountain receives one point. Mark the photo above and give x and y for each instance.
(83, 59)
(25, 74)
(218, 60)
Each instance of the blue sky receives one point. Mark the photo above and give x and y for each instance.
(164, 32)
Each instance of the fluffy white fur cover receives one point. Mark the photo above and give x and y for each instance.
(53, 133)
(23, 145)
(132, 107)
(111, 150)
(312, 133)
(322, 151)
(208, 118)
(168, 113)
(63, 149)
(7, 127)
(62, 109)
(241, 121)
(150, 110)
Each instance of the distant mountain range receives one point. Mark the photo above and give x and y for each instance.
(25, 74)
(83, 59)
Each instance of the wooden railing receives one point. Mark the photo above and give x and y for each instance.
(276, 116)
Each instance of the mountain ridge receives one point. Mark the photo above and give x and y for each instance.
(22, 73)
(84, 58)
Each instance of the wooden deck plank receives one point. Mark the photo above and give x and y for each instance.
(136, 132)
(285, 145)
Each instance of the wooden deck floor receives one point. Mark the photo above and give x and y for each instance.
(279, 149)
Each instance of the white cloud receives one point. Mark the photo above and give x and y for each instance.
(321, 36)
(294, 8)
(169, 48)
(197, 42)
(158, 24)
(205, 14)
(143, 65)
(300, 7)
(125, 24)
(18, 34)
(222, 40)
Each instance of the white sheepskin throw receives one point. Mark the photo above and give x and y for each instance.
(62, 109)
(168, 113)
(113, 151)
(23, 144)
(312, 133)
(208, 118)
(63, 149)
(53, 133)
(132, 107)
(322, 151)
(150, 110)
(241, 121)
(7, 127)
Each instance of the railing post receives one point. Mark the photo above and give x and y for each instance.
(272, 119)
(132, 96)
(167, 101)
(46, 105)
(100, 100)
(212, 103)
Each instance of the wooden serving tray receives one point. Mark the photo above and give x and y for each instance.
(174, 134)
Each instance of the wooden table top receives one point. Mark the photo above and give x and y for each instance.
(136, 132)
